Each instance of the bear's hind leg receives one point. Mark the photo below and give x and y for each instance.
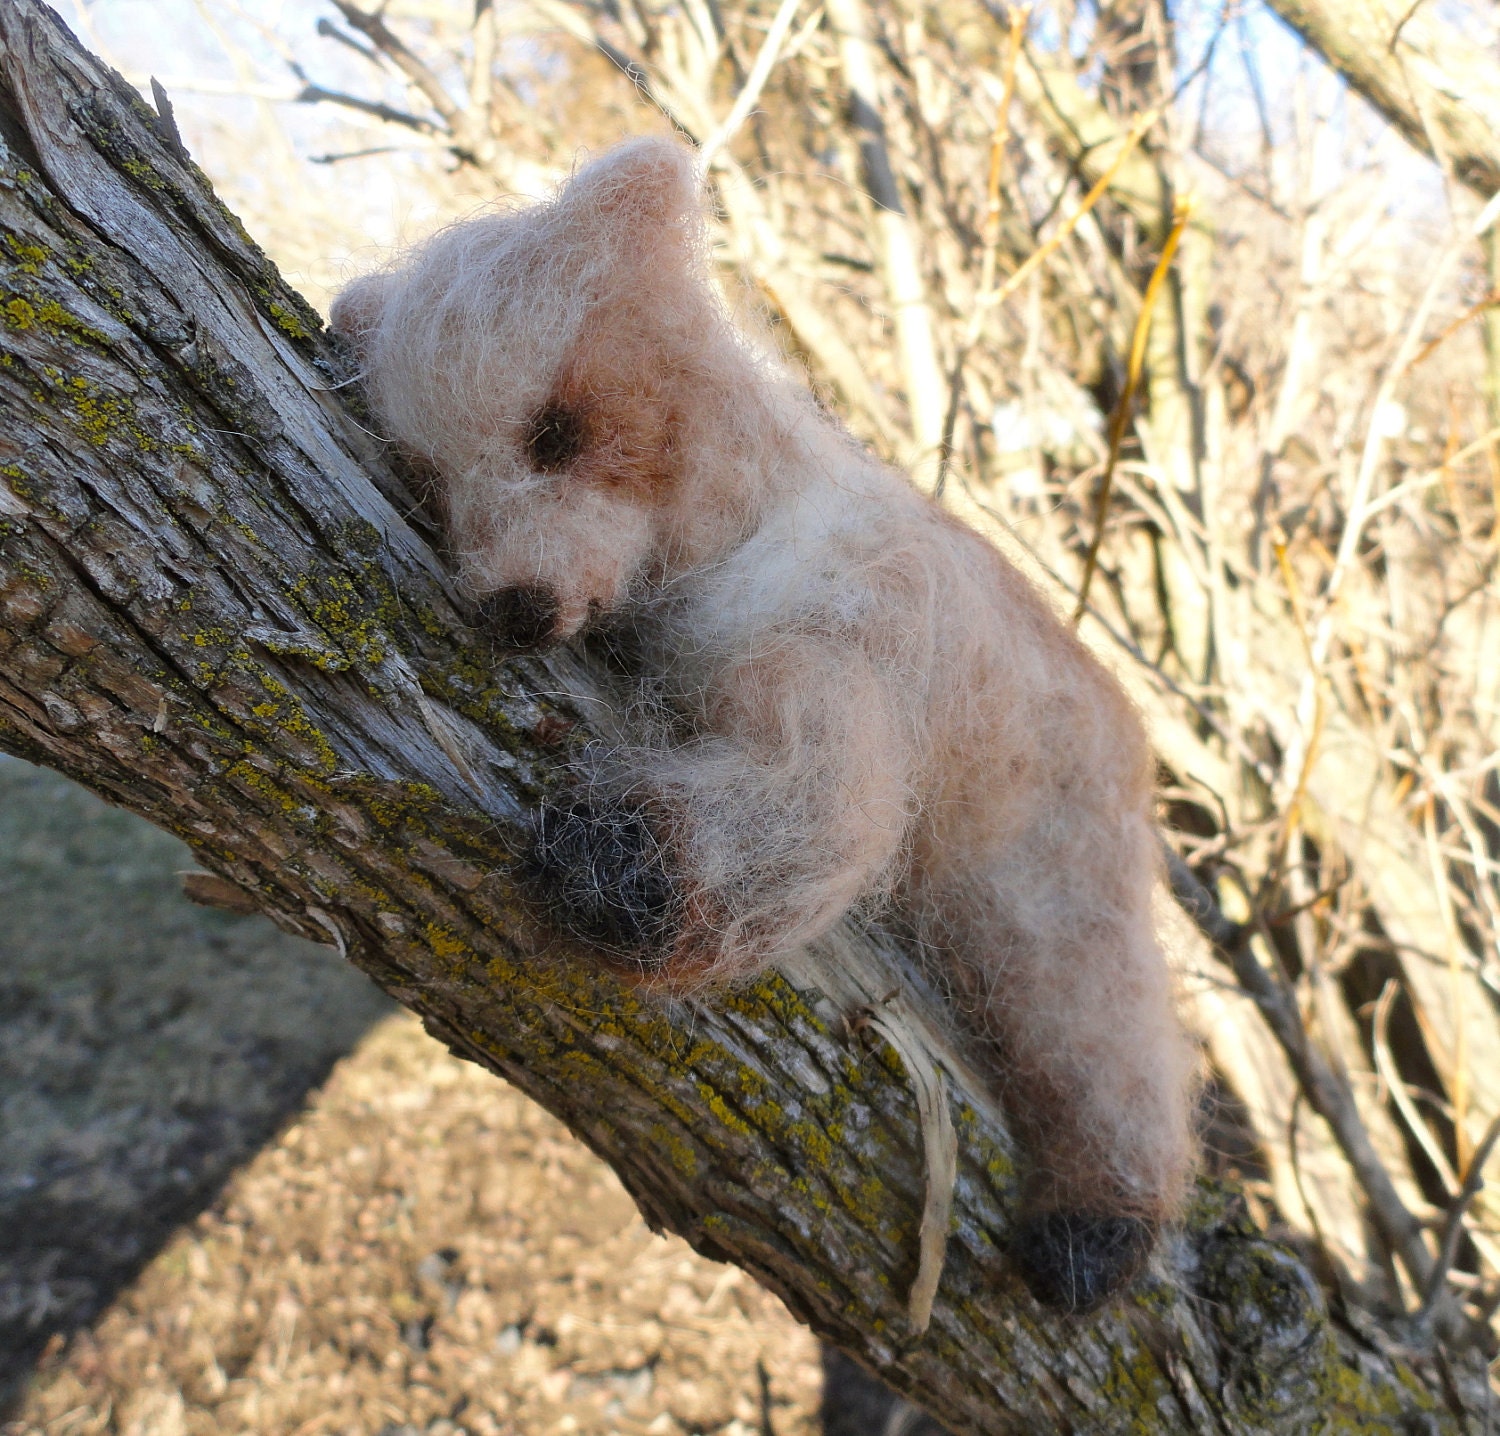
(1100, 1077)
(1064, 977)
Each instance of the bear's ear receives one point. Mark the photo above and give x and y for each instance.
(356, 309)
(644, 184)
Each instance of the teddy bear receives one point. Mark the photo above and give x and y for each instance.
(835, 695)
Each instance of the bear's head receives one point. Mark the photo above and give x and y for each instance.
(569, 376)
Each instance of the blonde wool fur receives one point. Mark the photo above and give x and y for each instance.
(840, 696)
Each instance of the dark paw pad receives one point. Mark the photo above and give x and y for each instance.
(1074, 1261)
(601, 872)
(521, 618)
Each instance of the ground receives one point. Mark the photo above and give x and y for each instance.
(200, 1234)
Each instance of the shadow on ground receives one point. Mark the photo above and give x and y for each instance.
(421, 1248)
(147, 1048)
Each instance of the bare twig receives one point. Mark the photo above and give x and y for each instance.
(421, 75)
(1490, 301)
(1137, 131)
(1359, 500)
(1385, 1065)
(900, 245)
(1181, 213)
(1328, 1095)
(1459, 1082)
(1018, 19)
(327, 30)
(1453, 1226)
(760, 72)
(318, 95)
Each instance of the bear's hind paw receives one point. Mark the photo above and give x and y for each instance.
(1074, 1262)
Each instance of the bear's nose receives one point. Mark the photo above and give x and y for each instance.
(521, 617)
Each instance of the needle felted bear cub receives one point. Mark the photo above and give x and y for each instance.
(842, 696)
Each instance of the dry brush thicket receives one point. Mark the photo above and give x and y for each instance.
(953, 220)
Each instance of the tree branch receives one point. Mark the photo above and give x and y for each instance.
(1434, 86)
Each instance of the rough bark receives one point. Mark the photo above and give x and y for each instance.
(216, 610)
(1431, 83)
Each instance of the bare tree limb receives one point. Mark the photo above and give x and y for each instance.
(1434, 86)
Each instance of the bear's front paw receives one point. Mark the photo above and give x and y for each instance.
(601, 872)
(1075, 1261)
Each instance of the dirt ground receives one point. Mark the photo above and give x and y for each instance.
(199, 1234)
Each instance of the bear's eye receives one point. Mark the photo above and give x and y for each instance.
(555, 435)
